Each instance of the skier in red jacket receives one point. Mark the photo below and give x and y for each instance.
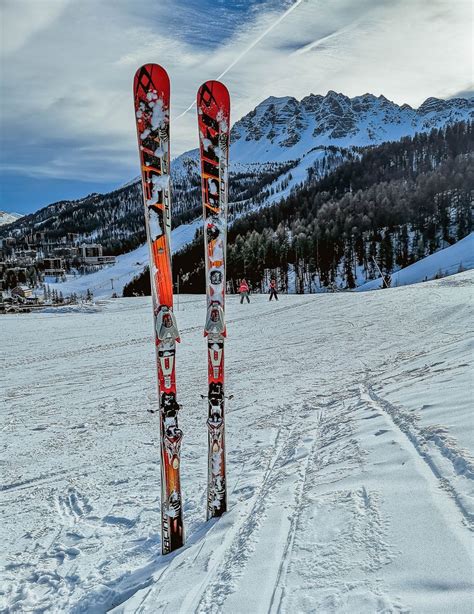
(244, 291)
(273, 290)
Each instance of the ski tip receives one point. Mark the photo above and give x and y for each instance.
(151, 68)
(213, 92)
(151, 75)
(214, 83)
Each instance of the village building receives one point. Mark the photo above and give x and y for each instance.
(15, 270)
(24, 257)
(22, 291)
(54, 267)
(92, 255)
(35, 238)
(67, 252)
(39, 253)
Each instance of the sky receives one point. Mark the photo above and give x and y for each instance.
(67, 66)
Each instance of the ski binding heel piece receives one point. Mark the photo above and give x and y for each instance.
(165, 325)
(215, 324)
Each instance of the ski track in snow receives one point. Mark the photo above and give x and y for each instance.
(350, 467)
(433, 448)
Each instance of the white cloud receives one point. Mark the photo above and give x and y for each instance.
(21, 19)
(68, 65)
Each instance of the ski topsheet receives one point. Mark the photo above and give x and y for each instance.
(213, 108)
(152, 103)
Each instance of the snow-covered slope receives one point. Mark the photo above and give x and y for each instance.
(445, 262)
(350, 458)
(8, 218)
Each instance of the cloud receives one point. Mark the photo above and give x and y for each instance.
(67, 66)
(406, 49)
(466, 93)
(21, 19)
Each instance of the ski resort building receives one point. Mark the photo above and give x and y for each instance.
(92, 254)
(54, 267)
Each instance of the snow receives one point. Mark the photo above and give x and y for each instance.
(8, 218)
(160, 115)
(299, 174)
(371, 121)
(349, 451)
(444, 262)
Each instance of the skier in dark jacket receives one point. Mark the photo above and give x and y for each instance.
(273, 290)
(244, 291)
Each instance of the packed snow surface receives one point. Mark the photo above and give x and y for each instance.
(349, 451)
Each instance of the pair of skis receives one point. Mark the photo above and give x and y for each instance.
(152, 107)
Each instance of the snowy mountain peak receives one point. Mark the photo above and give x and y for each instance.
(8, 218)
(285, 128)
(276, 101)
(438, 105)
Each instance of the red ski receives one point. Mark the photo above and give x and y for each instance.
(151, 90)
(213, 108)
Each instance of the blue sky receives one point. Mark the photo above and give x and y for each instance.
(67, 123)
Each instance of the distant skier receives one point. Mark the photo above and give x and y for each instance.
(273, 290)
(244, 291)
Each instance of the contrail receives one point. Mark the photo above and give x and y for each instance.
(326, 38)
(259, 38)
(250, 47)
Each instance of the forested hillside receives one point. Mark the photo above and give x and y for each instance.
(393, 205)
(116, 219)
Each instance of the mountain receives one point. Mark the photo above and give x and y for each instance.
(281, 129)
(279, 151)
(273, 149)
(113, 219)
(8, 218)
